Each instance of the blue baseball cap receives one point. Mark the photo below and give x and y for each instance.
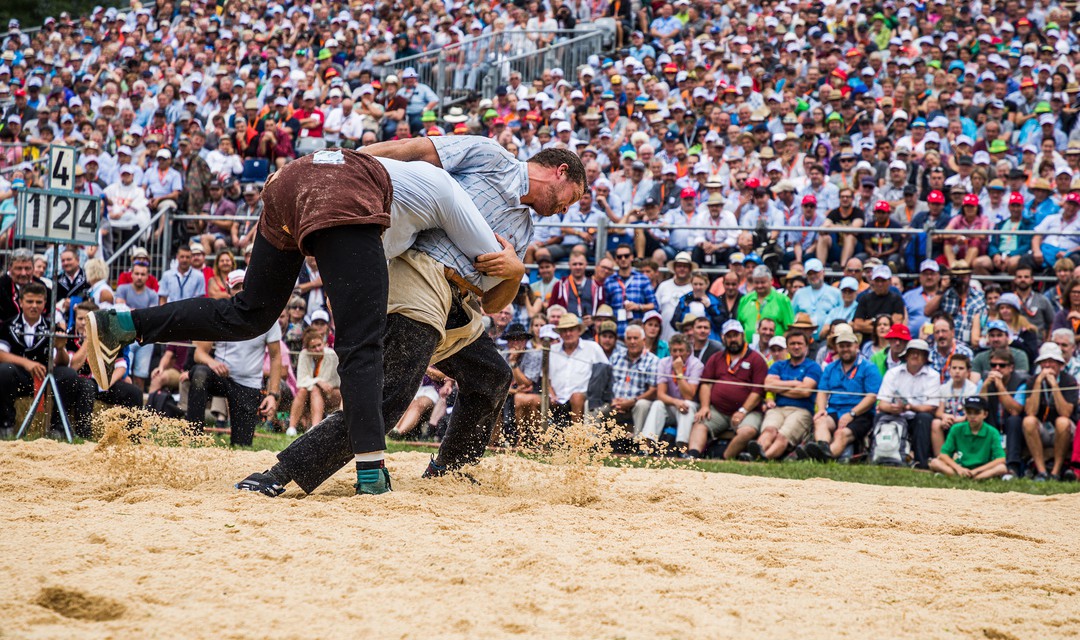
(919, 122)
(752, 257)
(997, 324)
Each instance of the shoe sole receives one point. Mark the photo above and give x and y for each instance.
(96, 358)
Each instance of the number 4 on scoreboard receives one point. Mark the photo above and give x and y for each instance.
(62, 168)
(86, 222)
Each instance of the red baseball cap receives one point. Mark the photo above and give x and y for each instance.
(671, 67)
(1027, 82)
(898, 331)
(752, 183)
(936, 197)
(1016, 198)
(882, 205)
(1073, 197)
(809, 199)
(971, 200)
(688, 193)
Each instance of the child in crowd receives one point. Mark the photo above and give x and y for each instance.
(952, 395)
(972, 448)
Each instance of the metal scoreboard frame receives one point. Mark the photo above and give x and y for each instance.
(51, 215)
(58, 215)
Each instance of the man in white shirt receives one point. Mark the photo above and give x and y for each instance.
(128, 209)
(571, 368)
(670, 291)
(910, 393)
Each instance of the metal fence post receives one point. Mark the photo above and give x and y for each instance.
(440, 77)
(601, 239)
(545, 380)
(929, 245)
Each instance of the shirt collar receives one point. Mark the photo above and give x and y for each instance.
(524, 168)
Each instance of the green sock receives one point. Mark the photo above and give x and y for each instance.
(125, 321)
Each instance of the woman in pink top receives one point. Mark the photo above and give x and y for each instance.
(967, 247)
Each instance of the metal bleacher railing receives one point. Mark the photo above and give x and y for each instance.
(482, 63)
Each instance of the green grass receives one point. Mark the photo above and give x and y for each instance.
(886, 476)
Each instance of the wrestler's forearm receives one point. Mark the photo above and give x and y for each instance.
(496, 298)
(405, 150)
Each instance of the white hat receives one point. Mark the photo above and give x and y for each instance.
(920, 345)
(409, 72)
(849, 283)
(162, 153)
(881, 271)
(1050, 351)
(930, 265)
(126, 150)
(563, 126)
(236, 277)
(281, 101)
(320, 314)
(311, 95)
(1047, 118)
(128, 169)
(898, 164)
(778, 341)
(731, 325)
(813, 264)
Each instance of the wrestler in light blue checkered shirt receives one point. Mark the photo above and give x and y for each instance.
(496, 181)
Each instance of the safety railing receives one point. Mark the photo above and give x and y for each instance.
(482, 63)
(152, 238)
(569, 54)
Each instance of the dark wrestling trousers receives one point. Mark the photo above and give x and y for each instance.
(353, 268)
(243, 403)
(483, 379)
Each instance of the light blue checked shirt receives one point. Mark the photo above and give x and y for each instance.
(495, 180)
(633, 378)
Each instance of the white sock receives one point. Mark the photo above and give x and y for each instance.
(374, 456)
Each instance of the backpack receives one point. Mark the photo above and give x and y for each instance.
(889, 442)
(162, 402)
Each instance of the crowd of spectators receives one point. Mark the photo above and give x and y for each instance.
(762, 181)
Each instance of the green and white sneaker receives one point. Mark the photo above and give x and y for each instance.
(105, 338)
(372, 481)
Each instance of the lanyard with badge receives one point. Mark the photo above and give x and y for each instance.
(181, 283)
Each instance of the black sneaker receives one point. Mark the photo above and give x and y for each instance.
(435, 471)
(263, 483)
(819, 450)
(745, 456)
(800, 453)
(1067, 475)
(1041, 477)
(105, 339)
(755, 451)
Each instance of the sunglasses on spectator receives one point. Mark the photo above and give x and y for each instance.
(298, 306)
(998, 365)
(620, 256)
